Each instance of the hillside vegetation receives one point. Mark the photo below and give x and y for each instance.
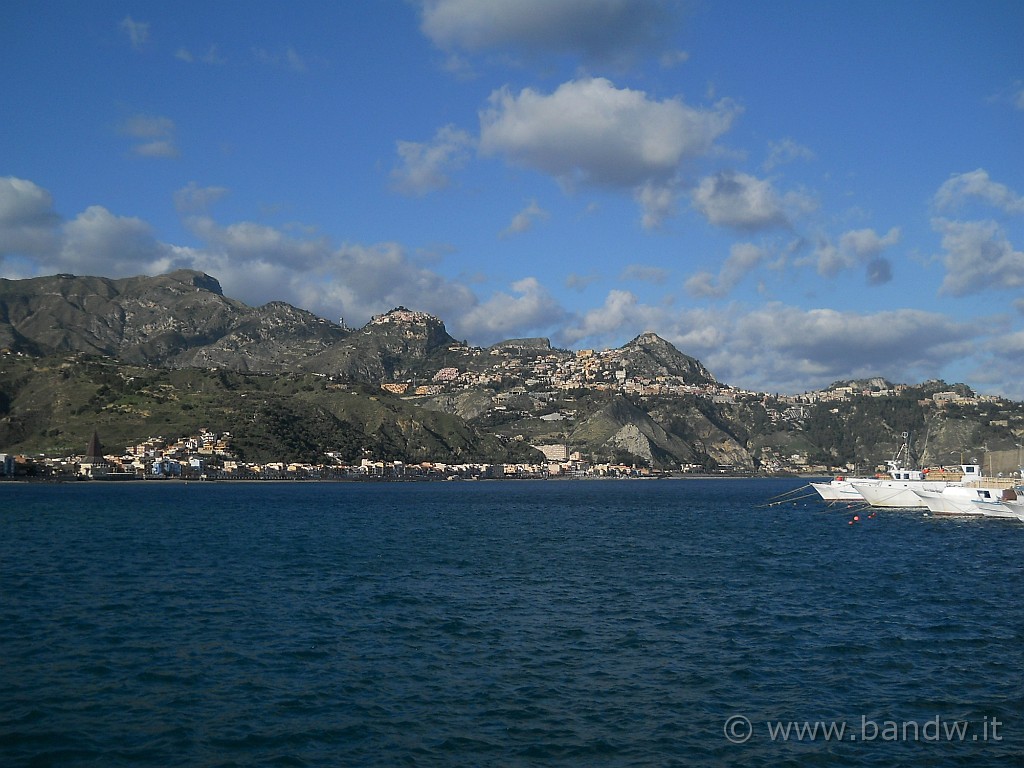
(171, 355)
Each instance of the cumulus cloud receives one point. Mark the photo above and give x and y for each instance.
(596, 29)
(28, 221)
(621, 314)
(743, 258)
(154, 135)
(425, 167)
(773, 347)
(259, 263)
(254, 262)
(978, 257)
(96, 242)
(658, 203)
(740, 201)
(778, 347)
(589, 131)
(977, 186)
(529, 308)
(137, 31)
(856, 247)
(796, 349)
(524, 220)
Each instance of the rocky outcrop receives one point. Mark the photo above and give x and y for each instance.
(177, 319)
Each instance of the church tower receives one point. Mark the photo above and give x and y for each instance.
(93, 465)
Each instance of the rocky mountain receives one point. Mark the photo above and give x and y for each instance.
(179, 319)
(288, 380)
(397, 344)
(655, 356)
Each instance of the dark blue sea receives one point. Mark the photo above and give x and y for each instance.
(505, 623)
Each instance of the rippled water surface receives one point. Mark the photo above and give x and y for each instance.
(499, 623)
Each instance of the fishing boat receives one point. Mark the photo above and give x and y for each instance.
(841, 488)
(1009, 507)
(899, 490)
(968, 497)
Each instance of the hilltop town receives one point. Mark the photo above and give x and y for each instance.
(231, 391)
(542, 380)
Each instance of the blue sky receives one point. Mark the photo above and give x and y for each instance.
(792, 192)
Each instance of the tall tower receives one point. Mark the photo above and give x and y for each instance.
(94, 449)
(93, 465)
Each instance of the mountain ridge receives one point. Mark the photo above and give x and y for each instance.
(421, 390)
(183, 319)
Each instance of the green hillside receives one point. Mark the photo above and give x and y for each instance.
(52, 405)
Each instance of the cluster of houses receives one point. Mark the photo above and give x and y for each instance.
(207, 456)
(516, 374)
(606, 370)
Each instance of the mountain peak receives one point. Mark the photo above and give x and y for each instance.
(650, 338)
(197, 279)
(403, 316)
(649, 351)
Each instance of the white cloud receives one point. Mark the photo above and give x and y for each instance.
(137, 31)
(793, 349)
(425, 167)
(743, 258)
(258, 263)
(774, 347)
(250, 242)
(589, 131)
(155, 135)
(963, 188)
(27, 219)
(978, 257)
(622, 316)
(529, 309)
(777, 347)
(524, 220)
(597, 29)
(96, 242)
(740, 201)
(658, 203)
(856, 247)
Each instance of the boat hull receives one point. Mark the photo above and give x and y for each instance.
(897, 494)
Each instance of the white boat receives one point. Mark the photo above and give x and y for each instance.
(846, 488)
(964, 499)
(841, 488)
(1006, 508)
(902, 490)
